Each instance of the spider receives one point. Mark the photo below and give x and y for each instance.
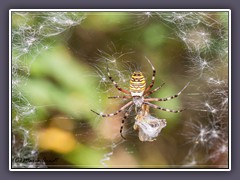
(139, 95)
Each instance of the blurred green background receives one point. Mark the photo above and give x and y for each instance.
(59, 65)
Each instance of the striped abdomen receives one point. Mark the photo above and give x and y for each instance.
(137, 84)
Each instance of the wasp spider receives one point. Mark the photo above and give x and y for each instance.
(138, 93)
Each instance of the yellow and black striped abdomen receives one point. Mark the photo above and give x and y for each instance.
(137, 84)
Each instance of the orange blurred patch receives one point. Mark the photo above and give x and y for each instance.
(56, 140)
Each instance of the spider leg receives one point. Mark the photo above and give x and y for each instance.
(167, 98)
(156, 89)
(115, 84)
(124, 118)
(124, 97)
(113, 114)
(153, 76)
(164, 109)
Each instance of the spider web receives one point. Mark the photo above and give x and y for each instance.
(205, 38)
(204, 61)
(30, 40)
(206, 41)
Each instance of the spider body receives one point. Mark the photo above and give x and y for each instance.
(139, 95)
(137, 84)
(137, 88)
(138, 101)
